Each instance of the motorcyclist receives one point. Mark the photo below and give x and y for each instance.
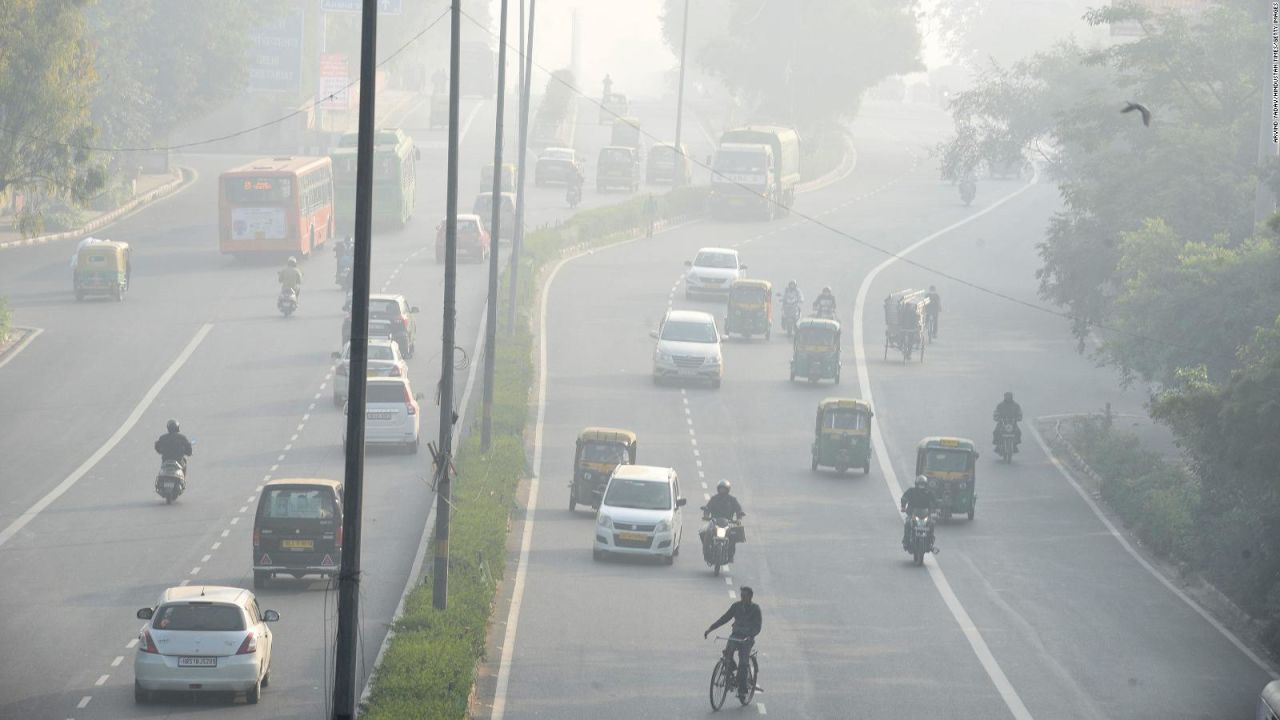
(748, 621)
(825, 304)
(792, 295)
(173, 446)
(573, 193)
(919, 497)
(291, 277)
(344, 250)
(932, 310)
(721, 505)
(1007, 411)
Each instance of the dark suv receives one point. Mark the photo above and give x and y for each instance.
(389, 316)
(298, 529)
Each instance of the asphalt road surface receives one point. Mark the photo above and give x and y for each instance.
(1033, 609)
(86, 542)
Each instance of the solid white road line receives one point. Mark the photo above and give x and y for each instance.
(9, 532)
(1124, 543)
(971, 633)
(13, 351)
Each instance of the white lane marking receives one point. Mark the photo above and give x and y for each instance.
(1230, 636)
(760, 707)
(226, 533)
(251, 499)
(246, 507)
(289, 447)
(195, 570)
(696, 453)
(259, 488)
(321, 387)
(728, 580)
(498, 709)
(733, 594)
(215, 546)
(102, 680)
(131, 644)
(706, 496)
(266, 478)
(84, 702)
(234, 520)
(9, 532)
(704, 486)
(205, 559)
(185, 582)
(961, 616)
(13, 351)
(116, 663)
(278, 461)
(306, 416)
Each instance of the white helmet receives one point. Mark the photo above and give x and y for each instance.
(921, 481)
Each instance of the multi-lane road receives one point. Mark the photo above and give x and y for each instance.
(1033, 609)
(84, 541)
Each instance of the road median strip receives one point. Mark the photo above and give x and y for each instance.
(429, 667)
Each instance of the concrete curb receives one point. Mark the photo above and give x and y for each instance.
(1193, 582)
(183, 177)
(840, 172)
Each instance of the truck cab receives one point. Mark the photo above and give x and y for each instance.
(743, 180)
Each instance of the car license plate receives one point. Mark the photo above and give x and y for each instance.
(298, 544)
(378, 416)
(200, 662)
(633, 536)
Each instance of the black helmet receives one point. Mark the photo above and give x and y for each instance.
(826, 290)
(723, 486)
(1008, 396)
(172, 425)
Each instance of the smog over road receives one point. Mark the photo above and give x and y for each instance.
(813, 359)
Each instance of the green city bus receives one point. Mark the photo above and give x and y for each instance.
(394, 178)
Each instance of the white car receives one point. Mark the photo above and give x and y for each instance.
(640, 514)
(711, 272)
(204, 639)
(391, 415)
(688, 347)
(385, 360)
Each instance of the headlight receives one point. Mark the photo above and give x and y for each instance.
(692, 278)
(712, 360)
(662, 526)
(663, 356)
(604, 521)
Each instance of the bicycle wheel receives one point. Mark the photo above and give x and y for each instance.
(751, 687)
(720, 682)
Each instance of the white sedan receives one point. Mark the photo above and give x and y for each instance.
(204, 639)
(711, 272)
(385, 360)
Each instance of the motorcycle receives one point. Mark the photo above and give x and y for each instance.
(920, 535)
(968, 189)
(1006, 439)
(826, 312)
(790, 316)
(573, 194)
(720, 536)
(342, 276)
(287, 302)
(171, 480)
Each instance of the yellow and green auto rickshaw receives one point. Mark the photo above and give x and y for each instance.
(842, 435)
(102, 267)
(598, 451)
(750, 309)
(815, 352)
(950, 464)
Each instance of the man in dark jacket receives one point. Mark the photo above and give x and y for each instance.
(919, 497)
(721, 505)
(747, 623)
(1010, 411)
(174, 446)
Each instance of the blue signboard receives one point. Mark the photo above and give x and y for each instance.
(275, 55)
(385, 7)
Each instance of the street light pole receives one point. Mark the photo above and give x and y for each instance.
(517, 237)
(495, 224)
(444, 453)
(677, 175)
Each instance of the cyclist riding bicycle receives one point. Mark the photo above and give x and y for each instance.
(747, 623)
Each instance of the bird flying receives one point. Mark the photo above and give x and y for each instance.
(1146, 114)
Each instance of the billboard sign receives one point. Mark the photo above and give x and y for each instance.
(334, 79)
(275, 55)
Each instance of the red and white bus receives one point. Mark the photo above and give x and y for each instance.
(276, 205)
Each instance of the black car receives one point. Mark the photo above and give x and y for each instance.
(619, 167)
(555, 165)
(389, 316)
(298, 529)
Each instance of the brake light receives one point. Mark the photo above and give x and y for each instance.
(257, 537)
(337, 538)
(404, 320)
(411, 405)
(250, 644)
(145, 643)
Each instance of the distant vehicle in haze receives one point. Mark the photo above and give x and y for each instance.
(614, 106)
(555, 165)
(280, 205)
(390, 316)
(204, 638)
(626, 132)
(618, 167)
(478, 64)
(712, 272)
(395, 174)
(668, 166)
(688, 348)
(384, 360)
(755, 170)
(483, 206)
(473, 240)
(508, 179)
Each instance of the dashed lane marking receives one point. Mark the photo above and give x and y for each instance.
(84, 702)
(226, 533)
(205, 559)
(102, 680)
(131, 644)
(116, 663)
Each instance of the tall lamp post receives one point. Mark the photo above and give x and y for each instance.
(678, 176)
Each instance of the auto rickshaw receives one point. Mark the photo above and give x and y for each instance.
(950, 465)
(842, 435)
(598, 451)
(507, 179)
(750, 309)
(815, 353)
(102, 268)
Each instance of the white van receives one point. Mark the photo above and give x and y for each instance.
(640, 514)
(1269, 701)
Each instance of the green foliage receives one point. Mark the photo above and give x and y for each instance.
(555, 112)
(429, 666)
(6, 319)
(804, 62)
(46, 80)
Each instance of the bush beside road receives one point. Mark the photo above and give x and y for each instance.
(430, 664)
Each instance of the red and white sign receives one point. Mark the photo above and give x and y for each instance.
(334, 79)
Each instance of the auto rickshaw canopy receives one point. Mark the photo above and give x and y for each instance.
(859, 412)
(607, 435)
(947, 443)
(111, 255)
(817, 334)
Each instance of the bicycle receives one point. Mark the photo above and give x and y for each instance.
(722, 679)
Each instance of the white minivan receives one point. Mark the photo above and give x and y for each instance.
(640, 514)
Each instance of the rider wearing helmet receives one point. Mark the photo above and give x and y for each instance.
(291, 277)
(721, 505)
(792, 295)
(173, 445)
(825, 304)
(1007, 411)
(919, 497)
